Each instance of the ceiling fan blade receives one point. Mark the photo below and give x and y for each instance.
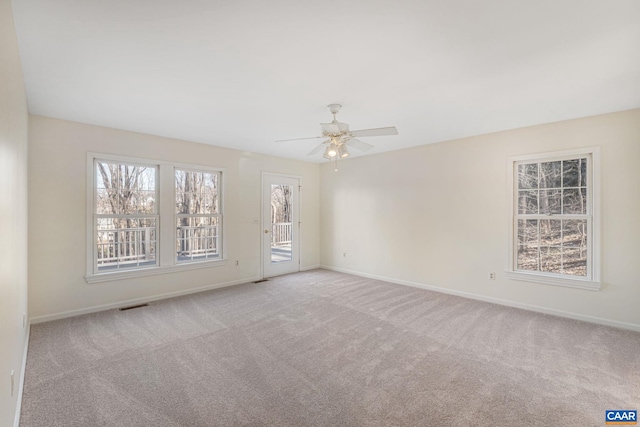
(360, 145)
(318, 148)
(300, 139)
(375, 132)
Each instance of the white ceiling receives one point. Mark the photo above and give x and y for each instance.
(243, 73)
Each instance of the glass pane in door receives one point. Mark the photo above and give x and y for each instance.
(281, 223)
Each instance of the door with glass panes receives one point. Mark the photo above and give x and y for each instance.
(281, 224)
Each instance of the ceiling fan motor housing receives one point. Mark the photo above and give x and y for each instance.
(334, 129)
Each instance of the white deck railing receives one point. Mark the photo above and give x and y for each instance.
(281, 234)
(197, 240)
(125, 246)
(133, 246)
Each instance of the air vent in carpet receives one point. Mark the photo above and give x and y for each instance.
(261, 280)
(133, 306)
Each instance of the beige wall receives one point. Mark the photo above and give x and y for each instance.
(57, 203)
(436, 215)
(13, 214)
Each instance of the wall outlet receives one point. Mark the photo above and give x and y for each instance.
(344, 254)
(237, 263)
(12, 382)
(492, 276)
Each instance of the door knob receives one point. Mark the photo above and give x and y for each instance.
(266, 231)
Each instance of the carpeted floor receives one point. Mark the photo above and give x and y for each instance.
(325, 348)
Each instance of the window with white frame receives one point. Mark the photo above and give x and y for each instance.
(125, 215)
(198, 217)
(553, 217)
(147, 217)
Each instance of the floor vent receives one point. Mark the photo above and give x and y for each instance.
(133, 306)
(261, 280)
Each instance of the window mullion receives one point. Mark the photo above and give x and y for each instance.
(166, 207)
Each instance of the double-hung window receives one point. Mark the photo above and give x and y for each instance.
(554, 224)
(198, 215)
(125, 215)
(148, 217)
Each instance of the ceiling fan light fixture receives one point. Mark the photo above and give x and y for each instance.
(343, 153)
(332, 150)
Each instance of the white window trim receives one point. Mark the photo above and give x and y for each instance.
(594, 281)
(166, 259)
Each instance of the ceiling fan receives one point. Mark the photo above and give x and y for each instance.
(340, 137)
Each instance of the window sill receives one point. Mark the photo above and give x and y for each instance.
(557, 281)
(151, 271)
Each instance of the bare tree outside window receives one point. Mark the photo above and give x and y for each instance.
(281, 222)
(552, 217)
(129, 197)
(198, 215)
(125, 215)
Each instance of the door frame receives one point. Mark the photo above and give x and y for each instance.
(297, 206)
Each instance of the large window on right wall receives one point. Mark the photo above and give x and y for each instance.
(554, 232)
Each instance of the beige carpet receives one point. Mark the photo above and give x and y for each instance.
(325, 348)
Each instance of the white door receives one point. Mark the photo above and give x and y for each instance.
(280, 224)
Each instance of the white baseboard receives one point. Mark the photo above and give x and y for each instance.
(529, 307)
(142, 300)
(310, 267)
(16, 422)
